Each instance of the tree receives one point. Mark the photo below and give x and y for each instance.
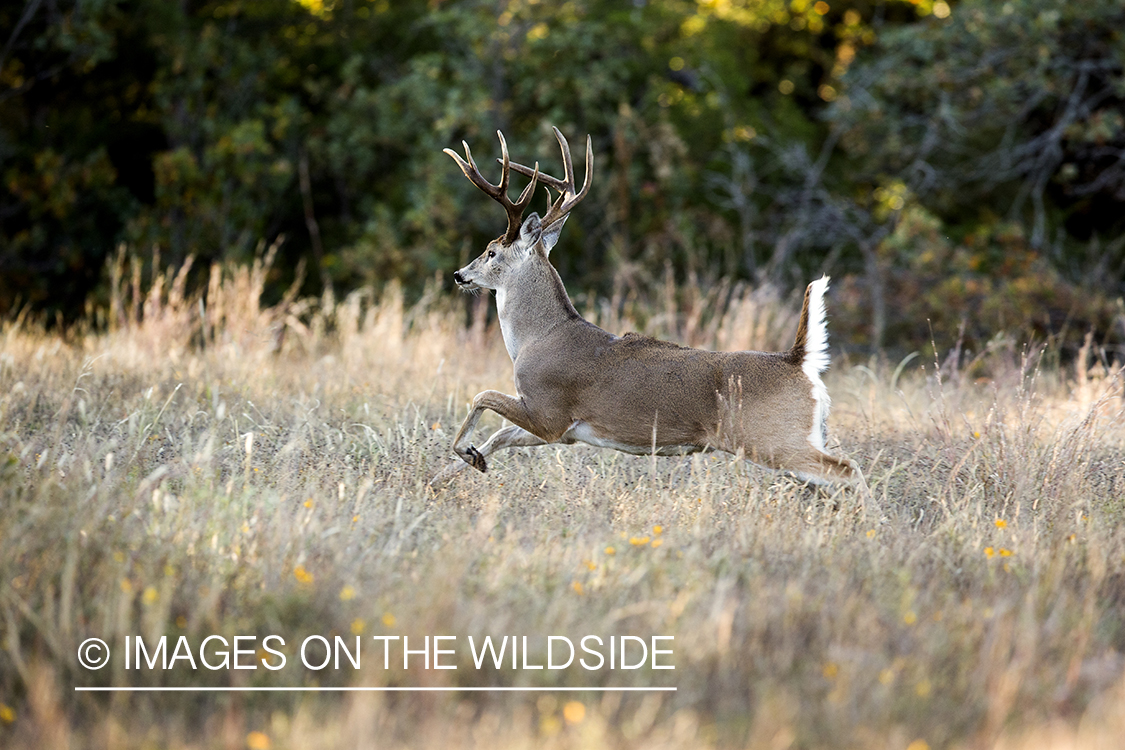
(68, 145)
(1001, 128)
(1008, 108)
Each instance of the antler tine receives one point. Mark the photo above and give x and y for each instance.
(568, 165)
(546, 179)
(472, 172)
(529, 191)
(507, 165)
(499, 193)
(568, 197)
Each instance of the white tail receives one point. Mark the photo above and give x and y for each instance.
(816, 358)
(578, 383)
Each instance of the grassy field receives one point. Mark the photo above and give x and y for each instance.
(188, 469)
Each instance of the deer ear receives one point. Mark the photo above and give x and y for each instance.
(530, 231)
(551, 234)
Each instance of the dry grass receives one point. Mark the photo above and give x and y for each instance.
(230, 469)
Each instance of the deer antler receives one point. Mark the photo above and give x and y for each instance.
(568, 198)
(499, 193)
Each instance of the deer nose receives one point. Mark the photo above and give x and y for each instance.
(458, 277)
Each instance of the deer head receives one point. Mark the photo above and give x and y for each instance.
(524, 238)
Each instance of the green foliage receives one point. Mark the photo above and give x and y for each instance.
(1002, 125)
(1006, 108)
(218, 107)
(990, 285)
(61, 125)
(759, 139)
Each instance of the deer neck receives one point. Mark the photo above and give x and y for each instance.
(533, 306)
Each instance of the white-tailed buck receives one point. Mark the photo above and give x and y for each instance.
(578, 383)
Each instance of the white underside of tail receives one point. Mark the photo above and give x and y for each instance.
(816, 360)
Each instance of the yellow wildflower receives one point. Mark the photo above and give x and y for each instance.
(574, 712)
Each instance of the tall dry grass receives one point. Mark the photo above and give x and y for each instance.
(206, 465)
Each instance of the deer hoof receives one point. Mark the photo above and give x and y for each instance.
(476, 460)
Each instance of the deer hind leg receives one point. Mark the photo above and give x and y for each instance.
(509, 408)
(801, 458)
(813, 464)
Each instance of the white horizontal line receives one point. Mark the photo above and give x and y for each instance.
(367, 689)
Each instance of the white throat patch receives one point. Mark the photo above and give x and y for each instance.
(511, 342)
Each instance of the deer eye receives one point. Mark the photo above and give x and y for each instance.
(491, 253)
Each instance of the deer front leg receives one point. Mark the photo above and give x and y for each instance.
(510, 409)
(512, 436)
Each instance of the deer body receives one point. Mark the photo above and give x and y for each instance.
(578, 383)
